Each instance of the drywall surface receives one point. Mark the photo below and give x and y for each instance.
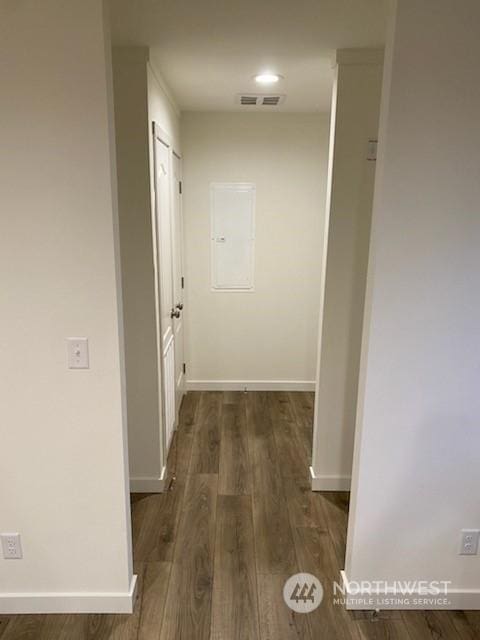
(356, 105)
(416, 471)
(140, 99)
(62, 455)
(269, 334)
(161, 106)
(132, 135)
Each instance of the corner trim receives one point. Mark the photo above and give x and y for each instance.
(459, 599)
(149, 484)
(250, 385)
(329, 483)
(102, 602)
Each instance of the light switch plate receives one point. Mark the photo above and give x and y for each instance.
(77, 353)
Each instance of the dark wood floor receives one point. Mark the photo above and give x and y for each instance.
(212, 554)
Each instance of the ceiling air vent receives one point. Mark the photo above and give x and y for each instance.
(259, 100)
(271, 100)
(248, 99)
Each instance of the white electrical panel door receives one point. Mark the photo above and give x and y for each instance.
(232, 235)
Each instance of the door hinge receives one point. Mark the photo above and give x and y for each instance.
(184, 368)
(180, 187)
(183, 282)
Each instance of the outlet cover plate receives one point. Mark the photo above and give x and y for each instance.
(469, 543)
(11, 546)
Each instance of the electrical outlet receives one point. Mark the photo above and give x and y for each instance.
(12, 546)
(469, 544)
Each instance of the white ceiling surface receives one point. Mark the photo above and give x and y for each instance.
(208, 50)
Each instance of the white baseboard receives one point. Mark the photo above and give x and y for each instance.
(329, 483)
(149, 484)
(13, 603)
(250, 385)
(453, 599)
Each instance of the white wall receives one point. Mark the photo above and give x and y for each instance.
(62, 455)
(269, 334)
(140, 99)
(417, 472)
(355, 113)
(162, 107)
(131, 126)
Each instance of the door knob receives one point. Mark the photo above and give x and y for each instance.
(174, 314)
(180, 306)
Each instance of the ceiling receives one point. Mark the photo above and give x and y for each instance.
(209, 50)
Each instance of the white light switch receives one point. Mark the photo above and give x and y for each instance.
(77, 350)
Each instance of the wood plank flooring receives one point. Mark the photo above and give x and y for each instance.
(213, 553)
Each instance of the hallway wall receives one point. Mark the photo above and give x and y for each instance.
(416, 470)
(63, 459)
(356, 107)
(269, 335)
(140, 99)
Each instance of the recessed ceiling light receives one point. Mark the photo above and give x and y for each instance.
(267, 78)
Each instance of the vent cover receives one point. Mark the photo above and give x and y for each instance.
(259, 100)
(271, 100)
(248, 99)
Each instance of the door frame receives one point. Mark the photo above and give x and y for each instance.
(159, 134)
(177, 155)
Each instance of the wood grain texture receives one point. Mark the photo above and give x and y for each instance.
(234, 467)
(206, 444)
(180, 454)
(270, 517)
(305, 507)
(34, 627)
(234, 608)
(316, 555)
(277, 621)
(429, 625)
(154, 537)
(188, 604)
(4, 621)
(188, 411)
(467, 624)
(390, 629)
(155, 583)
(293, 457)
(233, 397)
(335, 507)
(303, 407)
(213, 566)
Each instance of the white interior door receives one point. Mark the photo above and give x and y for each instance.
(178, 281)
(163, 237)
